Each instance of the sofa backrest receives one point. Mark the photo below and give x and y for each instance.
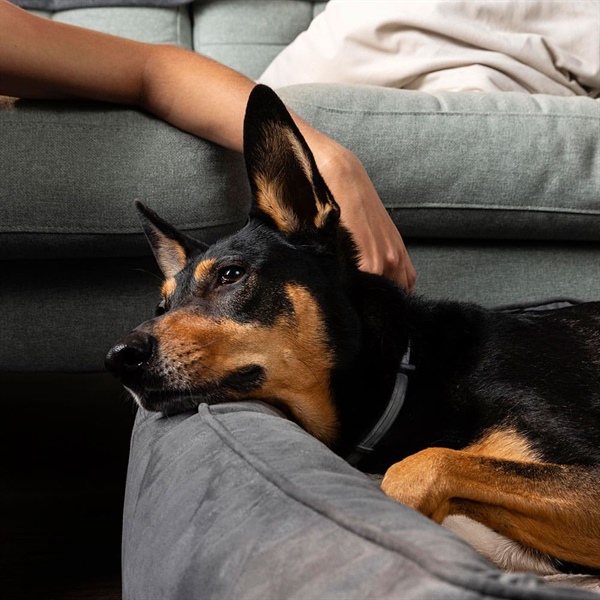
(247, 36)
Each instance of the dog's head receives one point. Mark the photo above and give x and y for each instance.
(267, 313)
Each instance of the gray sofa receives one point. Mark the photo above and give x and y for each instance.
(497, 196)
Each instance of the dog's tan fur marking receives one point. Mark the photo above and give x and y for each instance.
(203, 269)
(306, 363)
(168, 287)
(270, 183)
(552, 508)
(323, 210)
(293, 352)
(170, 256)
(299, 153)
(268, 198)
(506, 444)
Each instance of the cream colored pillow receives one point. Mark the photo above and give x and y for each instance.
(548, 47)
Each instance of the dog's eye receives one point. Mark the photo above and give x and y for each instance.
(161, 308)
(230, 274)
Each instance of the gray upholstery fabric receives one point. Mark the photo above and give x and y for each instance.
(248, 35)
(52, 5)
(502, 273)
(64, 315)
(71, 172)
(235, 502)
(500, 166)
(152, 24)
(475, 166)
(58, 315)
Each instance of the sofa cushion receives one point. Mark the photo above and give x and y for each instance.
(469, 165)
(236, 502)
(449, 165)
(156, 25)
(247, 36)
(71, 172)
(54, 5)
(78, 309)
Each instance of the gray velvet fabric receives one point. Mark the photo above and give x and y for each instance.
(143, 23)
(235, 502)
(64, 315)
(151, 24)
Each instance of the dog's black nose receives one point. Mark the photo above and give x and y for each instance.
(130, 355)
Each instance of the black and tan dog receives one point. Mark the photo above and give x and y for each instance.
(500, 419)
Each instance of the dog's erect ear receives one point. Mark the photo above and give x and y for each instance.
(286, 186)
(171, 248)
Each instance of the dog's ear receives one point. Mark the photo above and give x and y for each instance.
(286, 185)
(170, 247)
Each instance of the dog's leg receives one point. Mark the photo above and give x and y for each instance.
(552, 508)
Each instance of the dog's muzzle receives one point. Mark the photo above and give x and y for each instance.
(129, 357)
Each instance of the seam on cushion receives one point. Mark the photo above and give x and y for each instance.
(344, 111)
(498, 114)
(219, 223)
(178, 25)
(500, 207)
(487, 586)
(256, 43)
(147, 422)
(128, 232)
(96, 111)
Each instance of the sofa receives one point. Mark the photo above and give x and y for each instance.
(497, 197)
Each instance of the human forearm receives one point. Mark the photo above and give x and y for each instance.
(196, 94)
(40, 58)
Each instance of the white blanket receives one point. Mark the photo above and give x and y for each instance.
(533, 46)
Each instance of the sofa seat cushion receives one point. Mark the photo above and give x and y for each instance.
(469, 165)
(234, 501)
(451, 165)
(71, 173)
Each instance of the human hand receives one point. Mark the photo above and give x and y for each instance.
(382, 250)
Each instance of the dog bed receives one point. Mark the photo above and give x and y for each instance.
(235, 501)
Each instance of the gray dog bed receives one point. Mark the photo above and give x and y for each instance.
(235, 501)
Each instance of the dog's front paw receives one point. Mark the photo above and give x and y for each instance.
(419, 481)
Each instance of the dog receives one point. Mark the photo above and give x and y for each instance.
(486, 416)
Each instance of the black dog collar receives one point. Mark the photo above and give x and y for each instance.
(387, 419)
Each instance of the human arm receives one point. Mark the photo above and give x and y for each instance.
(40, 58)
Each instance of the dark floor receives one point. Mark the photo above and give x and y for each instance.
(65, 442)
